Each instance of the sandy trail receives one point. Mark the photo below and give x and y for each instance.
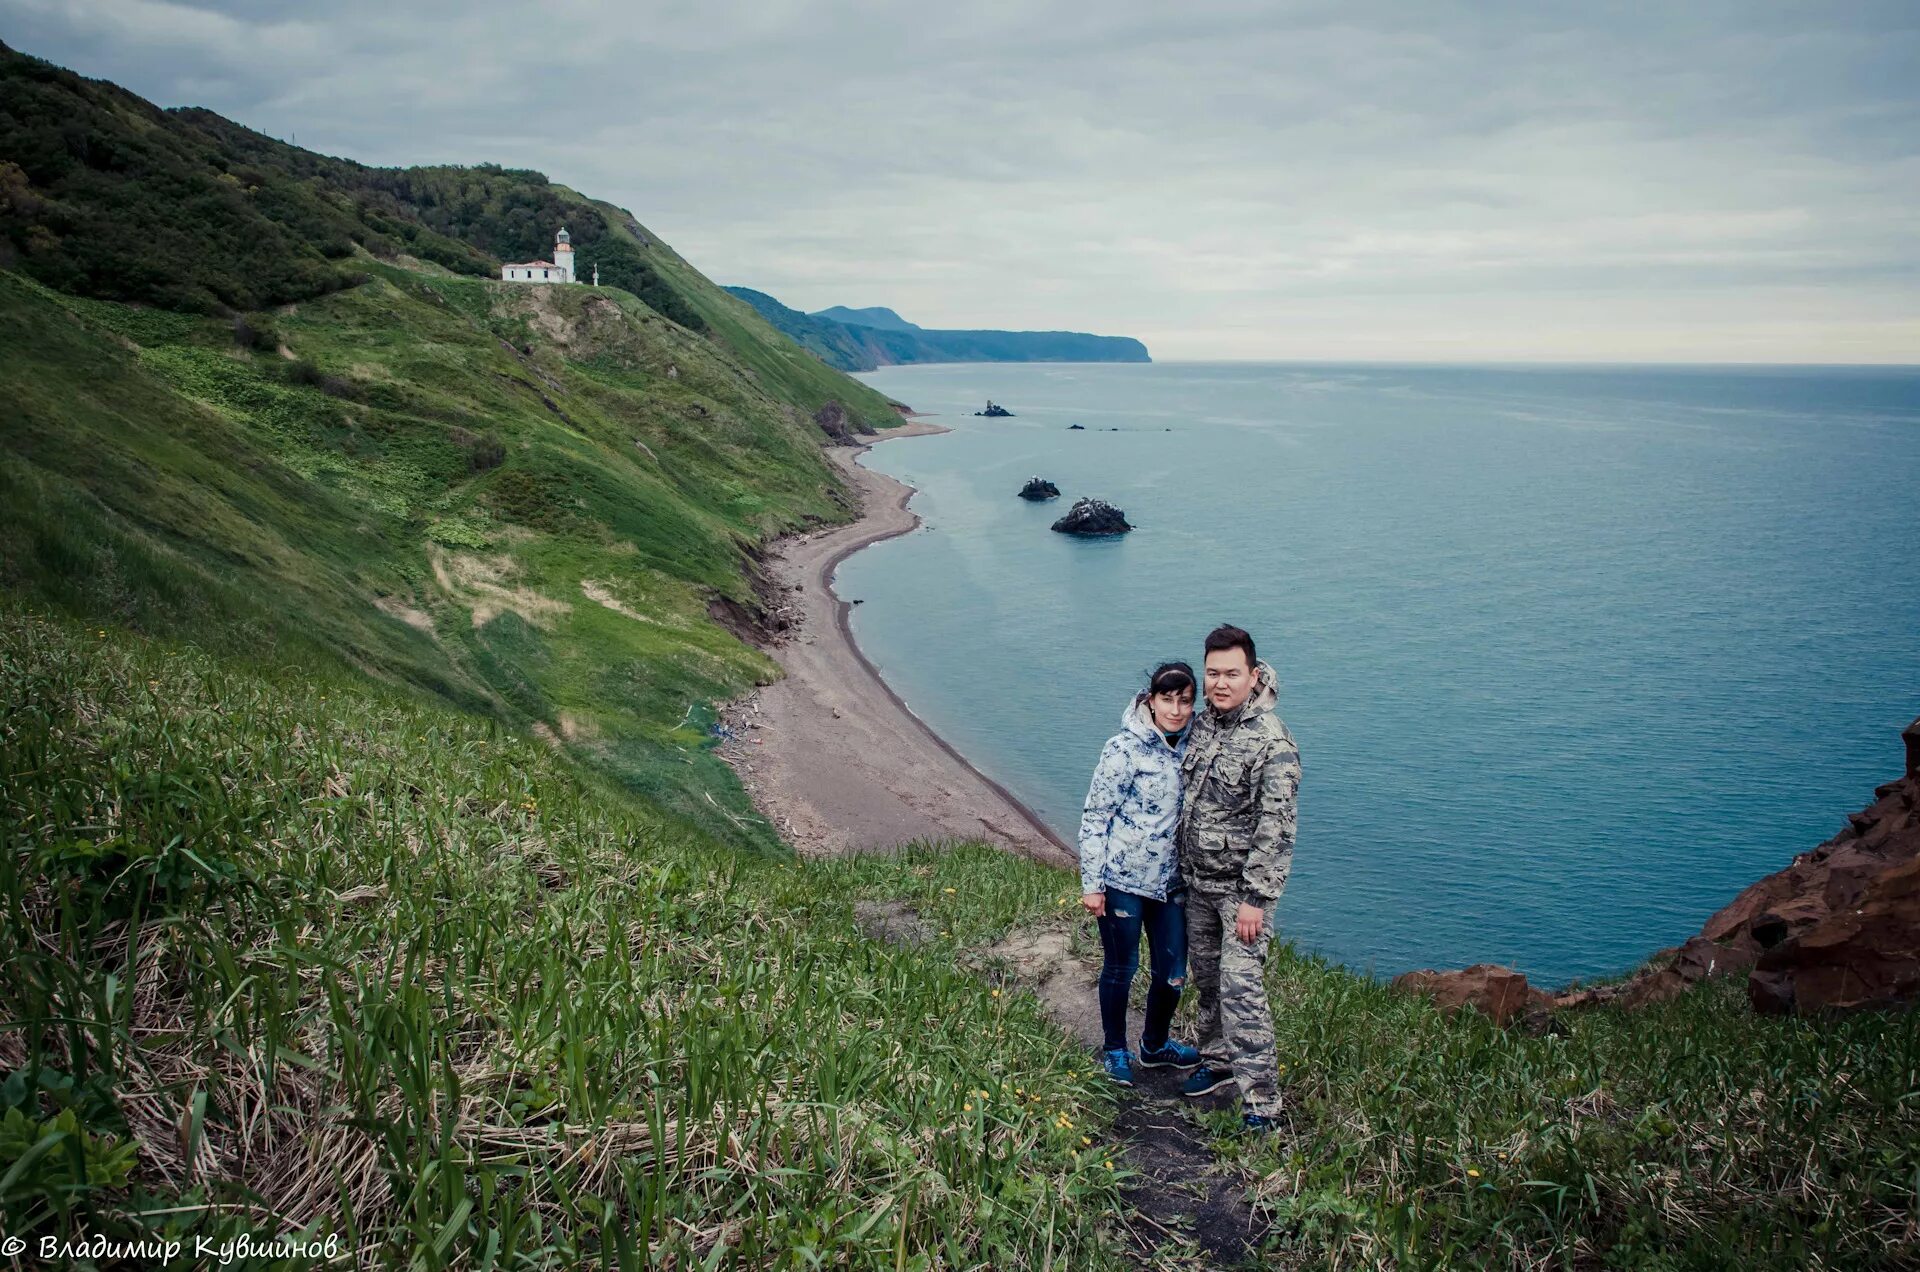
(829, 753)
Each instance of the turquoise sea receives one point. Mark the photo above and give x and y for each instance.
(1572, 654)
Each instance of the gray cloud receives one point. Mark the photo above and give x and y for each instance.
(1708, 181)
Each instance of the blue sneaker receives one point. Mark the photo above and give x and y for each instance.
(1259, 1123)
(1206, 1079)
(1119, 1066)
(1168, 1055)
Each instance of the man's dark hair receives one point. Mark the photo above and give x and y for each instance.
(1227, 636)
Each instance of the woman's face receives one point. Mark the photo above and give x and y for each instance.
(1171, 711)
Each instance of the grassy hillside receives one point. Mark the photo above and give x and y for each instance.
(289, 954)
(293, 954)
(524, 499)
(270, 399)
(103, 194)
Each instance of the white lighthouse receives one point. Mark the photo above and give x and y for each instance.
(557, 270)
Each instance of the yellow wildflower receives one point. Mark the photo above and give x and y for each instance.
(1472, 1173)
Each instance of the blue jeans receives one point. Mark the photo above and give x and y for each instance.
(1165, 925)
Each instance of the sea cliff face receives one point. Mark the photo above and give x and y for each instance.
(852, 346)
(1838, 929)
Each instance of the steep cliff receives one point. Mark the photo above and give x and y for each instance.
(886, 339)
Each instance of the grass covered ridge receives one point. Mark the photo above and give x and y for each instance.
(521, 499)
(287, 953)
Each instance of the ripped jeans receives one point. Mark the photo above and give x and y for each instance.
(1165, 925)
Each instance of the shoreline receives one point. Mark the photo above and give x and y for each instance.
(830, 753)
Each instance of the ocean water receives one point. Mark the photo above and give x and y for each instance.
(1572, 655)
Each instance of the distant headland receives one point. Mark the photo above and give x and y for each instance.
(863, 339)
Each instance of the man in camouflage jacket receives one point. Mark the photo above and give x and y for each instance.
(1241, 778)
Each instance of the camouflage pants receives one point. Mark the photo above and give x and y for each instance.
(1236, 1025)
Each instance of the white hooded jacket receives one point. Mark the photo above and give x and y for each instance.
(1133, 808)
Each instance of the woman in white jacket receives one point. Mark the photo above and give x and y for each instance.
(1129, 877)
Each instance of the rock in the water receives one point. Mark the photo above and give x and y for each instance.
(1499, 993)
(1038, 489)
(1081, 427)
(1093, 517)
(995, 410)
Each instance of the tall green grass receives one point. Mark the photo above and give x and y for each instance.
(289, 953)
(1689, 1134)
(286, 954)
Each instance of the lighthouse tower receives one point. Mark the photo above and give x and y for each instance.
(563, 253)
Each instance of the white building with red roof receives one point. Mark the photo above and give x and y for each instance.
(557, 270)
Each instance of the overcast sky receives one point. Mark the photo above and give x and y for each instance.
(1425, 181)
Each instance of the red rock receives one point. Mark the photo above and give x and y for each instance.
(1695, 961)
(1864, 957)
(1499, 993)
(1790, 917)
(1835, 876)
(1837, 928)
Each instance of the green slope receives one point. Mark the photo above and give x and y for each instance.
(536, 534)
(289, 954)
(276, 401)
(106, 195)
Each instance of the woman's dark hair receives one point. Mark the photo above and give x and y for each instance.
(1170, 677)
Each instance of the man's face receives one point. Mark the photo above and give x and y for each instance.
(1229, 678)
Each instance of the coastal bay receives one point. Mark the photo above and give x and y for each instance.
(832, 755)
(1573, 655)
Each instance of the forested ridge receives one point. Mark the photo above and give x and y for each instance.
(104, 194)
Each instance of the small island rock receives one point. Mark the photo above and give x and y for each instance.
(995, 410)
(1093, 517)
(1038, 489)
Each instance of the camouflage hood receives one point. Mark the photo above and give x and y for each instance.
(1264, 698)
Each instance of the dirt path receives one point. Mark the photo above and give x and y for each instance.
(829, 753)
(1187, 1209)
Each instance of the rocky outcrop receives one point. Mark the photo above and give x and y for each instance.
(1039, 489)
(995, 410)
(1837, 930)
(1093, 518)
(1865, 956)
(1499, 993)
(833, 420)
